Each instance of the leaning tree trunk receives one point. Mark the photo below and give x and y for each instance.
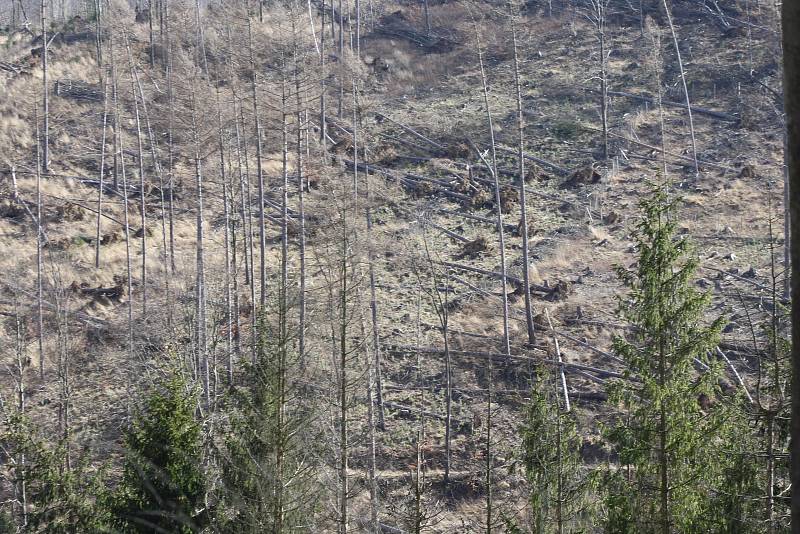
(157, 167)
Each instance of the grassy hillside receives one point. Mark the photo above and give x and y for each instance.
(414, 99)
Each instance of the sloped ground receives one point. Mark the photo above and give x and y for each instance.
(580, 231)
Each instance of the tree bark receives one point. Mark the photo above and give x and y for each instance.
(262, 245)
(685, 87)
(522, 199)
(45, 93)
(142, 194)
(501, 238)
(791, 92)
(39, 257)
(102, 174)
(200, 289)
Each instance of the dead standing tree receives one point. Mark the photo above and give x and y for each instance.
(492, 166)
(683, 82)
(140, 157)
(597, 16)
(521, 171)
(262, 242)
(45, 92)
(791, 91)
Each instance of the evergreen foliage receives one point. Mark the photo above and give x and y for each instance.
(59, 500)
(559, 486)
(670, 449)
(163, 486)
(264, 462)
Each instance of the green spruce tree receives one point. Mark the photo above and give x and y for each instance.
(58, 500)
(267, 457)
(163, 486)
(670, 448)
(559, 485)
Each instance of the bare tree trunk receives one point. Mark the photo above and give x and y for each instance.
(358, 29)
(170, 148)
(427, 17)
(341, 56)
(200, 289)
(126, 220)
(39, 258)
(523, 200)
(45, 93)
(770, 482)
(442, 312)
(301, 216)
(262, 230)
(244, 182)
(373, 302)
(322, 121)
(448, 380)
(227, 243)
(506, 340)
(201, 42)
(601, 30)
(685, 87)
(150, 23)
(228, 293)
(98, 11)
(100, 188)
(127, 230)
(142, 195)
(372, 469)
(20, 488)
(237, 336)
(791, 92)
(343, 438)
(159, 171)
(283, 308)
(559, 475)
(244, 193)
(787, 231)
(63, 373)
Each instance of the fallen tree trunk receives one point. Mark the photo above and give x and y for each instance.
(413, 132)
(404, 349)
(700, 111)
(544, 163)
